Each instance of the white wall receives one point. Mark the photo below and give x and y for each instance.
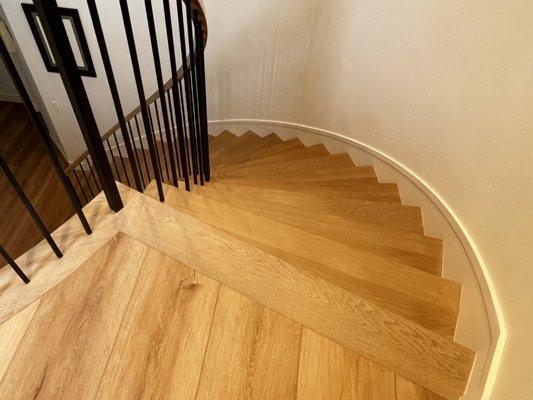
(7, 89)
(443, 87)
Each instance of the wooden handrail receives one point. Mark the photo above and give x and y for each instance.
(195, 5)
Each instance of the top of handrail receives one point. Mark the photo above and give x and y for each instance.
(199, 5)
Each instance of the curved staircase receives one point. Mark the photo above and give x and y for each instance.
(292, 274)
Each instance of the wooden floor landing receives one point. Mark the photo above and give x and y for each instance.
(132, 323)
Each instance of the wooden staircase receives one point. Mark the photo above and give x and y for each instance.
(337, 225)
(327, 286)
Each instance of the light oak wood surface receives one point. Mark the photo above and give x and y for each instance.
(67, 344)
(430, 301)
(385, 214)
(140, 325)
(159, 350)
(341, 188)
(442, 366)
(326, 282)
(257, 360)
(239, 155)
(422, 252)
(289, 145)
(318, 150)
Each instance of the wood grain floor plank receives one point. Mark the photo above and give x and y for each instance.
(163, 335)
(252, 354)
(45, 269)
(11, 333)
(328, 371)
(68, 342)
(407, 390)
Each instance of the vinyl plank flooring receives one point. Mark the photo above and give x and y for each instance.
(68, 342)
(407, 390)
(252, 352)
(329, 371)
(11, 334)
(163, 335)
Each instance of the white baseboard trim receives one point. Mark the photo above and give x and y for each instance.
(485, 369)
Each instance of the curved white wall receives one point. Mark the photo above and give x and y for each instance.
(445, 88)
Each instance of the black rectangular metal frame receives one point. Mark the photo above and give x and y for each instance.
(30, 12)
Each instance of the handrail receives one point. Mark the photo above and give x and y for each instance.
(195, 5)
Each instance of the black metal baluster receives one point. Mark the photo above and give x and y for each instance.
(179, 126)
(161, 139)
(117, 144)
(182, 110)
(91, 169)
(14, 265)
(202, 96)
(114, 91)
(136, 153)
(29, 207)
(59, 44)
(188, 91)
(139, 136)
(87, 181)
(160, 87)
(156, 146)
(113, 158)
(174, 129)
(196, 113)
(142, 98)
(75, 172)
(43, 131)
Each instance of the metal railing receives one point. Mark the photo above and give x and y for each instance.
(164, 138)
(52, 152)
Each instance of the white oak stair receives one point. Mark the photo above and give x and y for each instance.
(327, 255)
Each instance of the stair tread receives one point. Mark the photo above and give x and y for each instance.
(430, 301)
(238, 155)
(317, 150)
(243, 144)
(409, 248)
(292, 144)
(354, 188)
(331, 166)
(420, 355)
(387, 214)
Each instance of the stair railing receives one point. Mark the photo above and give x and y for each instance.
(53, 154)
(178, 108)
(165, 137)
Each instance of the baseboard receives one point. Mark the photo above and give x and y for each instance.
(480, 326)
